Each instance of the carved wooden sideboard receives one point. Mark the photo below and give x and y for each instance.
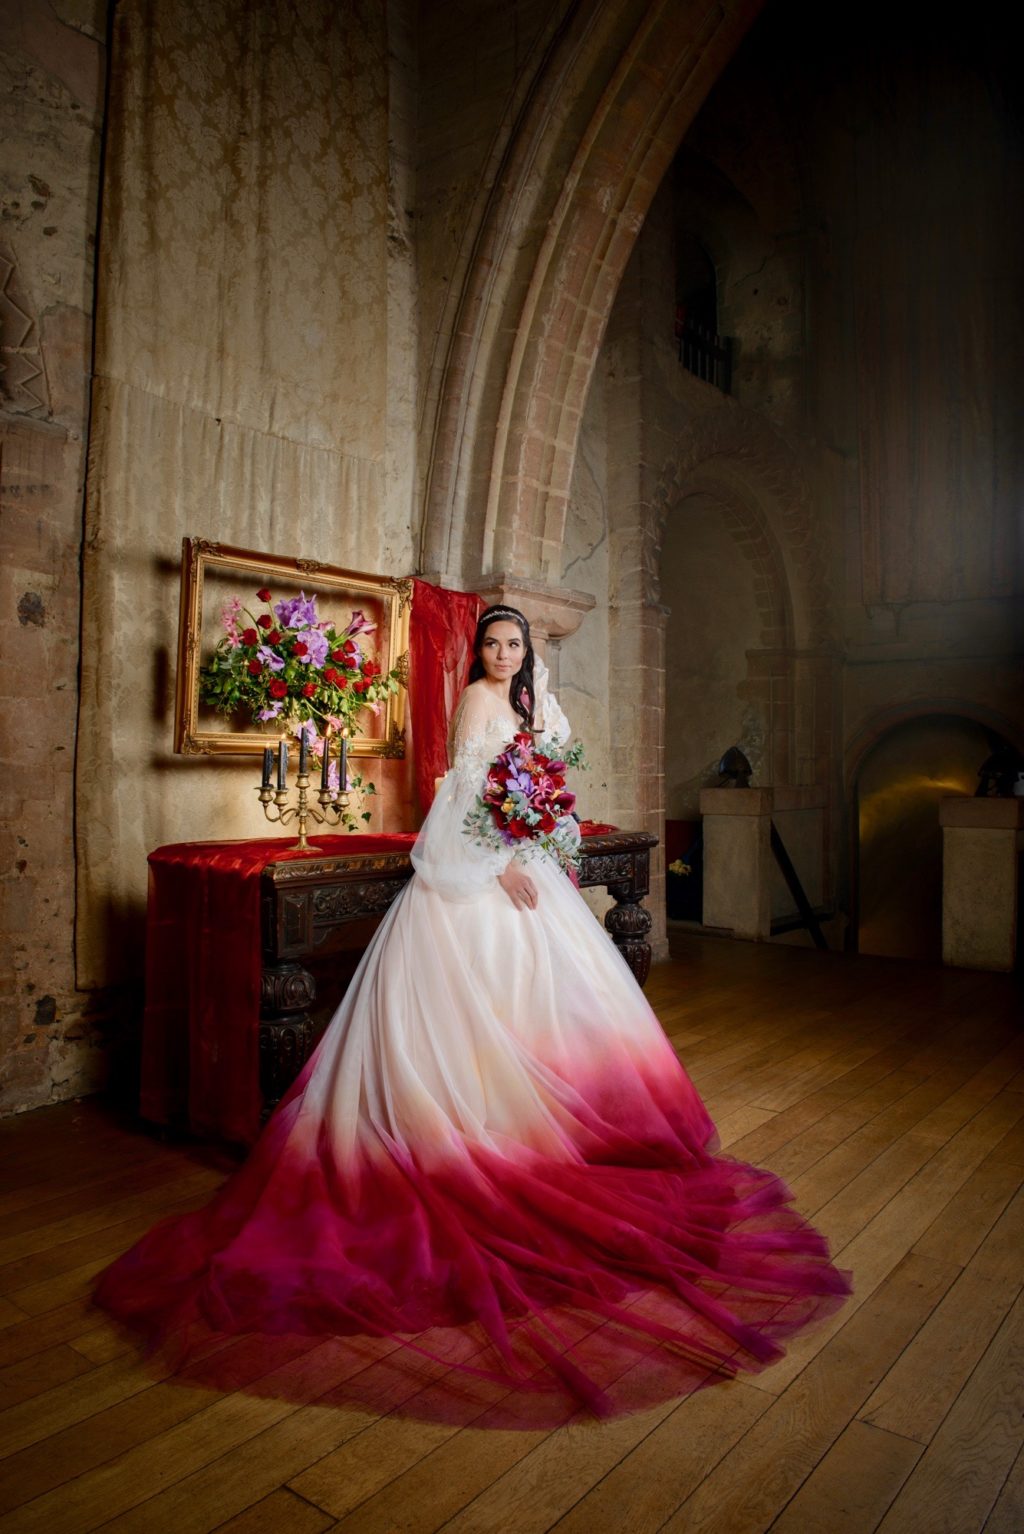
(326, 907)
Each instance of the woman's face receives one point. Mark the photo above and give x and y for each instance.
(502, 650)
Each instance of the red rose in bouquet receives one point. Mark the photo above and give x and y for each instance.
(525, 799)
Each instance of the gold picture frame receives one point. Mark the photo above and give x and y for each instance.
(211, 571)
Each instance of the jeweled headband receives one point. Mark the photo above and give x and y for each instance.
(502, 612)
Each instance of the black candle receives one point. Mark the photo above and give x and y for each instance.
(268, 766)
(282, 765)
(325, 765)
(303, 751)
(343, 766)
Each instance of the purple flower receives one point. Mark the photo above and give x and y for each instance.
(270, 658)
(360, 624)
(316, 648)
(273, 711)
(307, 725)
(296, 612)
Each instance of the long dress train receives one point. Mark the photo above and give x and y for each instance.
(494, 1135)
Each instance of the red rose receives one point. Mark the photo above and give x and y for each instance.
(265, 621)
(330, 675)
(300, 648)
(518, 828)
(263, 594)
(349, 647)
(278, 689)
(547, 822)
(342, 682)
(250, 636)
(360, 686)
(274, 637)
(309, 690)
(254, 668)
(338, 655)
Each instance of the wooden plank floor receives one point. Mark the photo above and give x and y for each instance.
(890, 1096)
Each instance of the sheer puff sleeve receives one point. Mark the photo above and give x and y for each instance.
(550, 722)
(444, 857)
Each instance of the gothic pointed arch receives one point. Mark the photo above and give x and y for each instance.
(616, 89)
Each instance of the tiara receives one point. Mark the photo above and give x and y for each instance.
(502, 612)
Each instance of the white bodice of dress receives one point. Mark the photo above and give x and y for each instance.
(483, 725)
(446, 856)
(476, 738)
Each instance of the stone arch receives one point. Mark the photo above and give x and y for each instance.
(757, 474)
(757, 546)
(619, 85)
(880, 723)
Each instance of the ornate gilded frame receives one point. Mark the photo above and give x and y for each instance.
(391, 594)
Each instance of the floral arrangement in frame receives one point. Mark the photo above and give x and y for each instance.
(265, 642)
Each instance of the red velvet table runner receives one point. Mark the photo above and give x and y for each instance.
(200, 1034)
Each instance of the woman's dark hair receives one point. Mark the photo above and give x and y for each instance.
(520, 689)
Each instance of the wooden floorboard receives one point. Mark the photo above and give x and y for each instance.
(889, 1096)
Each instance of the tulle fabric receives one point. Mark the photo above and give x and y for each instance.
(494, 1137)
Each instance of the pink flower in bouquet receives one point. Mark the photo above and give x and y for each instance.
(360, 624)
(231, 617)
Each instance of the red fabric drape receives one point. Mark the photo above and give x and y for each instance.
(441, 633)
(200, 1035)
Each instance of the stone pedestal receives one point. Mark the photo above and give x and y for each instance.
(743, 888)
(738, 860)
(981, 844)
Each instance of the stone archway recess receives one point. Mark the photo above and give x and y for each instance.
(616, 90)
(735, 457)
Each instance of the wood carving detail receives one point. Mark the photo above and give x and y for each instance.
(347, 901)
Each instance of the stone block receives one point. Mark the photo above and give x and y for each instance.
(981, 845)
(737, 869)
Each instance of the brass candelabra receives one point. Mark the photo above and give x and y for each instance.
(333, 802)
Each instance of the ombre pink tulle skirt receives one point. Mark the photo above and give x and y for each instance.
(493, 1189)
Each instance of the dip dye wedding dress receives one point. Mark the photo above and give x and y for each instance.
(493, 1160)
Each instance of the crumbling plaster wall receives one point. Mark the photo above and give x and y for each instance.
(53, 64)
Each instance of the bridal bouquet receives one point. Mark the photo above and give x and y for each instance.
(525, 801)
(288, 664)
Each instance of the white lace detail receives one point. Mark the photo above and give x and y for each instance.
(475, 752)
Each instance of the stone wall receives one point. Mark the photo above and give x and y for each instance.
(861, 479)
(51, 1037)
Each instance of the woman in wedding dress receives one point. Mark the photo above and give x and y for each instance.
(494, 1136)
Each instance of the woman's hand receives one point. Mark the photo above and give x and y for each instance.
(519, 887)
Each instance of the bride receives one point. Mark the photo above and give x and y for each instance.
(494, 1136)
